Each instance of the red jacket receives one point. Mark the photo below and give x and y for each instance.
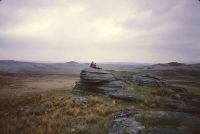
(92, 65)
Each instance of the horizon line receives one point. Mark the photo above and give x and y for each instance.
(102, 62)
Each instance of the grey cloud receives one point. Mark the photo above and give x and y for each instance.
(157, 7)
(179, 24)
(8, 42)
(171, 28)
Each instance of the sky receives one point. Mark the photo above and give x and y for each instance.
(145, 31)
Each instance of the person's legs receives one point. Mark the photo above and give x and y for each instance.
(97, 68)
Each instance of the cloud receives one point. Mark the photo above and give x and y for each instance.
(124, 30)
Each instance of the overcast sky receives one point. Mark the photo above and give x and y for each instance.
(100, 30)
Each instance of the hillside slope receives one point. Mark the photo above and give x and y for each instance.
(41, 68)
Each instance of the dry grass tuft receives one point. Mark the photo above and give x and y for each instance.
(56, 114)
(34, 111)
(163, 92)
(103, 109)
(15, 101)
(149, 104)
(94, 100)
(75, 111)
(114, 103)
(90, 118)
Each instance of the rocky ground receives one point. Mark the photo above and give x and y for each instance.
(112, 102)
(149, 91)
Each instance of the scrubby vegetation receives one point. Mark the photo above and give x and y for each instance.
(166, 123)
(55, 112)
(29, 108)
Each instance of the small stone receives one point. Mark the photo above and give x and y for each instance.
(73, 130)
(81, 101)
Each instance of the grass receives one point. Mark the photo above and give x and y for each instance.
(162, 122)
(143, 91)
(55, 113)
(163, 92)
(149, 104)
(15, 101)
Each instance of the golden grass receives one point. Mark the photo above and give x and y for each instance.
(94, 100)
(90, 118)
(15, 101)
(149, 104)
(103, 109)
(72, 111)
(58, 114)
(163, 92)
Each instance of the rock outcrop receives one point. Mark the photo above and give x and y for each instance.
(148, 80)
(101, 81)
(98, 80)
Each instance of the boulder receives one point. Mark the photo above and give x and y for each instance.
(80, 101)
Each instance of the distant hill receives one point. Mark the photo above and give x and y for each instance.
(41, 68)
(174, 65)
(70, 67)
(170, 64)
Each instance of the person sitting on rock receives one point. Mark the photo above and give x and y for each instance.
(94, 65)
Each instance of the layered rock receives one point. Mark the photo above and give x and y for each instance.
(101, 81)
(154, 81)
(149, 80)
(98, 80)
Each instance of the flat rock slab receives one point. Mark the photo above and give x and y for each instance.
(167, 130)
(96, 75)
(149, 80)
(125, 126)
(125, 122)
(125, 96)
(96, 71)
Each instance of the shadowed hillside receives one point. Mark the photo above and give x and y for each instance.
(71, 67)
(41, 68)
